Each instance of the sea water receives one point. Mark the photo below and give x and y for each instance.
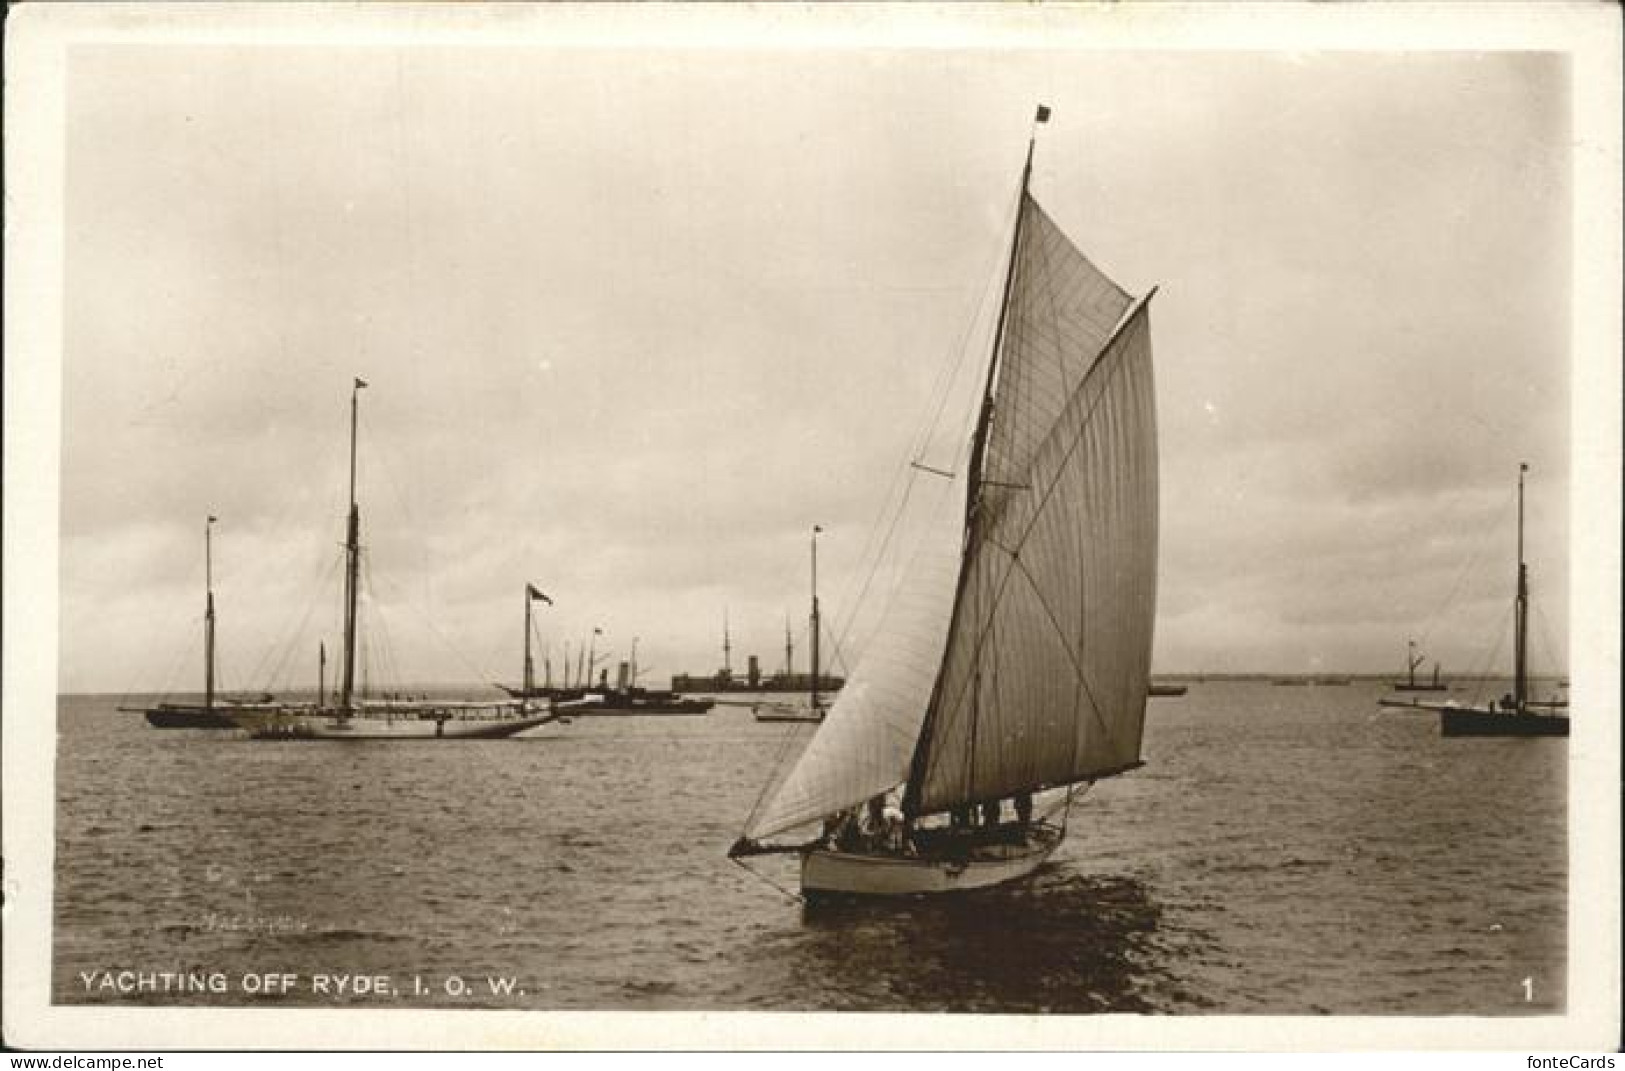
(1284, 850)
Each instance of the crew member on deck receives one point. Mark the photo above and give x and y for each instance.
(1024, 809)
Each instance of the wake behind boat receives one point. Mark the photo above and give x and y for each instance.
(351, 717)
(1016, 655)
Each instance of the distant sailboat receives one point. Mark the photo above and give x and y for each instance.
(1028, 657)
(815, 708)
(1410, 683)
(352, 718)
(211, 715)
(1515, 714)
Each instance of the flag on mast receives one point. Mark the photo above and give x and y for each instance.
(1043, 114)
(535, 593)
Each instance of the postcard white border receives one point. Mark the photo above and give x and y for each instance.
(36, 48)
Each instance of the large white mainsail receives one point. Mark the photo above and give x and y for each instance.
(1015, 653)
(1045, 676)
(865, 742)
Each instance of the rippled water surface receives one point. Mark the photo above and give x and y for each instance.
(1284, 850)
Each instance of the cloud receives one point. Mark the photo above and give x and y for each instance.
(630, 338)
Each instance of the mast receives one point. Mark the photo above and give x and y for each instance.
(815, 531)
(592, 657)
(321, 673)
(352, 562)
(789, 651)
(530, 666)
(1412, 659)
(208, 617)
(727, 649)
(973, 490)
(1520, 664)
(632, 667)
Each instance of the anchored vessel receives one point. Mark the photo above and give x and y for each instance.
(626, 699)
(353, 718)
(211, 714)
(814, 710)
(1515, 714)
(1020, 658)
(1410, 683)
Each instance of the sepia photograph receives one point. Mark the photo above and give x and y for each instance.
(1071, 526)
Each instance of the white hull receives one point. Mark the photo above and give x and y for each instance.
(373, 727)
(828, 872)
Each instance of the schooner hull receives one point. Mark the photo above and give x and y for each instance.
(324, 727)
(828, 872)
(188, 718)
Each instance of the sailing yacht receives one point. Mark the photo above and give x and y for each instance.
(1020, 659)
(815, 708)
(1517, 713)
(1410, 683)
(349, 716)
(212, 714)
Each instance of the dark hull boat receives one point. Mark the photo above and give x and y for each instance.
(1516, 714)
(177, 716)
(639, 704)
(184, 716)
(211, 713)
(1471, 722)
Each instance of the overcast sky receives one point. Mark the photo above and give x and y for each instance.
(635, 320)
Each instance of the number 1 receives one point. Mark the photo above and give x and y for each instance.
(1528, 989)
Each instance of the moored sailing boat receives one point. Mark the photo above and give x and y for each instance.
(1514, 714)
(1025, 660)
(815, 708)
(1410, 683)
(210, 715)
(350, 717)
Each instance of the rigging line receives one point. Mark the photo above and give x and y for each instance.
(797, 897)
(1485, 536)
(479, 672)
(994, 277)
(1483, 671)
(1060, 469)
(849, 610)
(941, 390)
(774, 780)
(1055, 625)
(167, 682)
(1543, 631)
(283, 654)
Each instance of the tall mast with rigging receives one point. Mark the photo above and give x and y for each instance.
(984, 420)
(352, 563)
(815, 625)
(1520, 655)
(208, 617)
(529, 681)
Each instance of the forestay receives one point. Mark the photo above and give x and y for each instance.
(866, 739)
(1045, 674)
